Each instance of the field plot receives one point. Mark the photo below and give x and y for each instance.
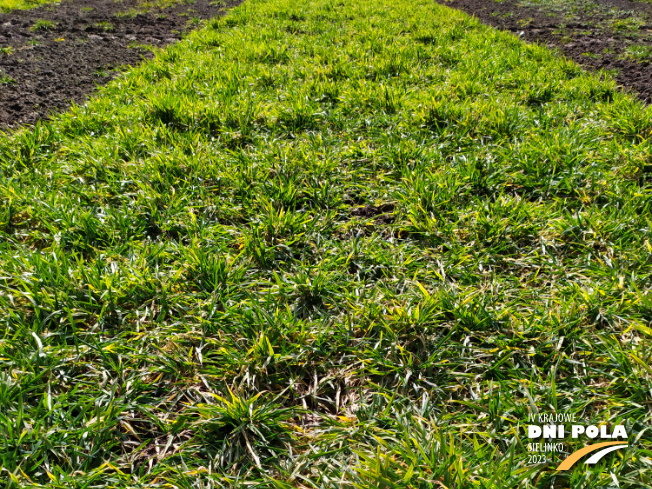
(52, 55)
(327, 244)
(610, 35)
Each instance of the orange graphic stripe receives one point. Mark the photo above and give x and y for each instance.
(571, 459)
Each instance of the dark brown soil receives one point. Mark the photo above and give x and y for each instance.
(88, 46)
(614, 35)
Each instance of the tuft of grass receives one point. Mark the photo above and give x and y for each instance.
(638, 52)
(130, 14)
(329, 244)
(142, 47)
(43, 25)
(104, 26)
(245, 429)
(629, 24)
(194, 22)
(6, 79)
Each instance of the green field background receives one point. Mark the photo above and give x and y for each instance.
(325, 244)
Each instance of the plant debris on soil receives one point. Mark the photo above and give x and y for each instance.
(611, 35)
(57, 54)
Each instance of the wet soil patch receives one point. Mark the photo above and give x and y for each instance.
(57, 54)
(611, 35)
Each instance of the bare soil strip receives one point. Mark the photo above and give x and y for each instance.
(81, 44)
(614, 35)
